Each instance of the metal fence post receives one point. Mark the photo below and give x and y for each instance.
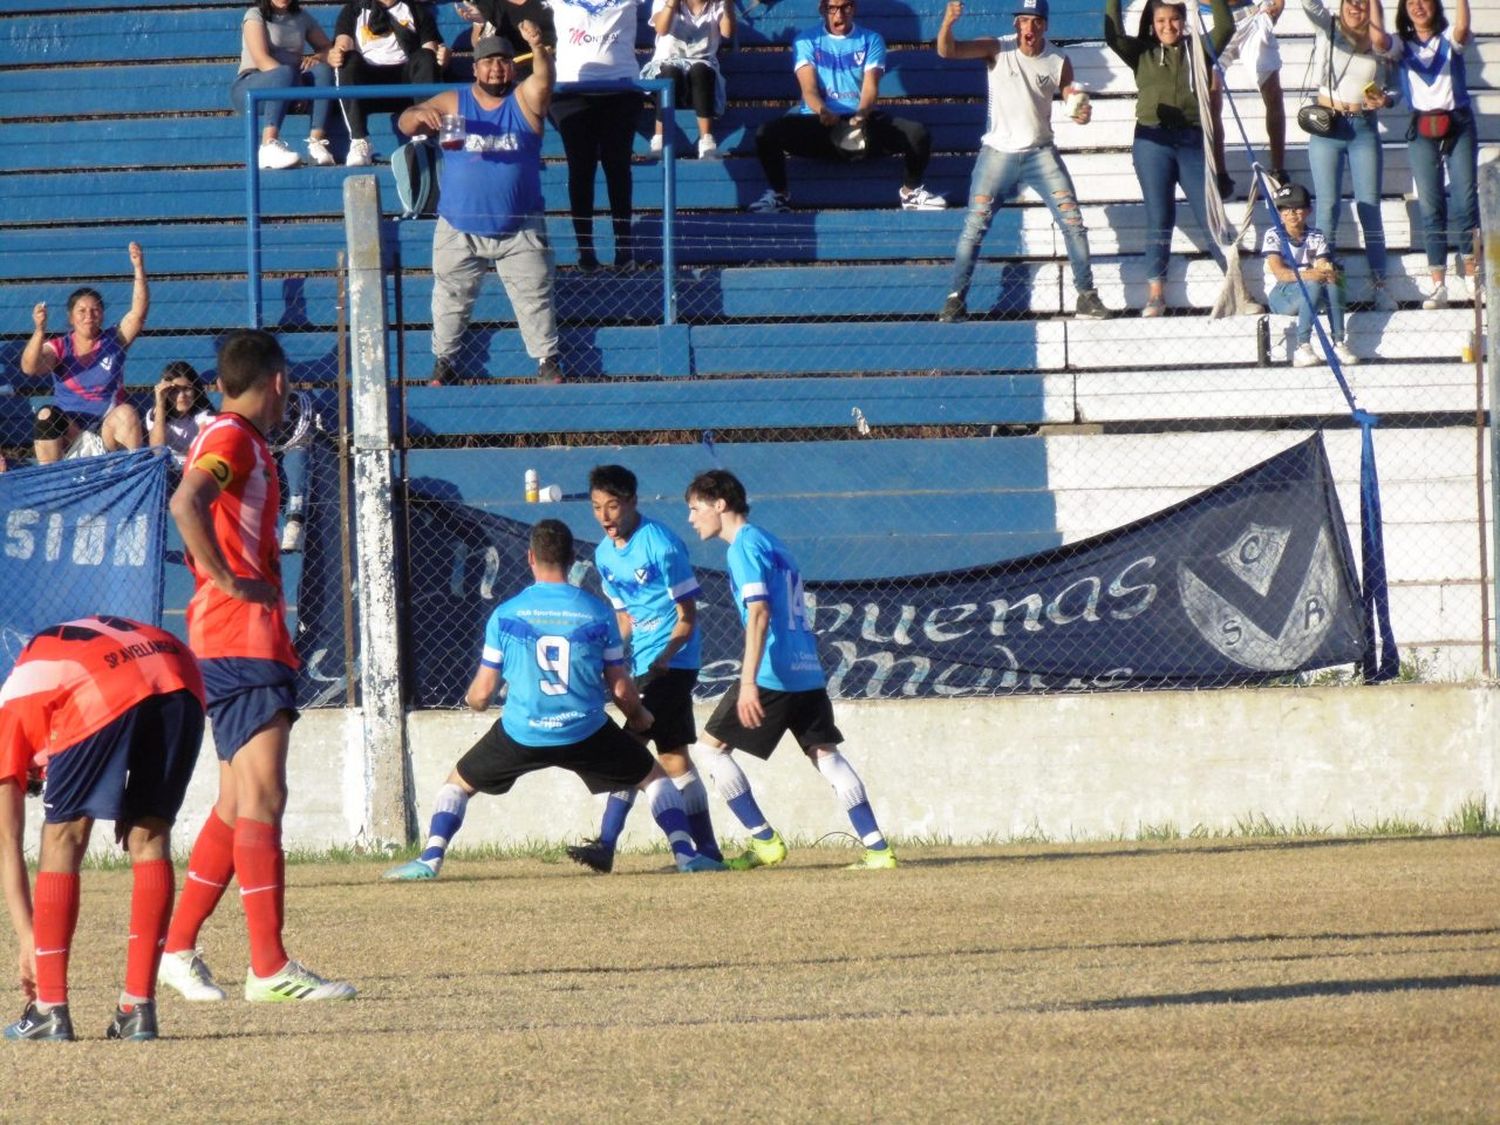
(1489, 223)
(389, 813)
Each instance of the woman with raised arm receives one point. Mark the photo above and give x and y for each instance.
(1442, 137)
(1168, 146)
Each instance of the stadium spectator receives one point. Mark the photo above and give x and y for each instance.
(490, 206)
(596, 43)
(689, 34)
(644, 571)
(504, 18)
(781, 686)
(181, 409)
(1442, 137)
(281, 45)
(838, 67)
(1025, 74)
(226, 508)
(87, 366)
(382, 43)
(559, 651)
(1168, 146)
(1254, 45)
(1350, 60)
(110, 711)
(1302, 277)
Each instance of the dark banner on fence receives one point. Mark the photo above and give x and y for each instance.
(82, 537)
(1250, 580)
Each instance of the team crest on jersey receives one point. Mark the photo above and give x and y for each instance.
(643, 574)
(1046, 82)
(859, 58)
(108, 362)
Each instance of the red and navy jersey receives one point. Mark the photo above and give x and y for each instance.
(93, 383)
(234, 453)
(74, 679)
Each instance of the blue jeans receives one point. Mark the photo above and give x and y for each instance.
(273, 113)
(1164, 158)
(1287, 298)
(1445, 224)
(997, 175)
(1359, 140)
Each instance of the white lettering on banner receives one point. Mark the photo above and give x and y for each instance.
(90, 540)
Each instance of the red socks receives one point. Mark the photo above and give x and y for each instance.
(260, 865)
(210, 867)
(53, 921)
(150, 907)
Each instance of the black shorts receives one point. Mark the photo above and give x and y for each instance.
(807, 714)
(137, 766)
(669, 697)
(606, 760)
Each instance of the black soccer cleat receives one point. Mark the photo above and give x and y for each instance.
(51, 1025)
(137, 1025)
(593, 855)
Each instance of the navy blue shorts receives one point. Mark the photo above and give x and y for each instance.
(137, 766)
(244, 693)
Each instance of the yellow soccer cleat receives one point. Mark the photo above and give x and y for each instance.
(874, 859)
(760, 853)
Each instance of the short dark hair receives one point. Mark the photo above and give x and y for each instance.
(719, 484)
(80, 293)
(178, 370)
(1405, 29)
(616, 480)
(247, 356)
(552, 543)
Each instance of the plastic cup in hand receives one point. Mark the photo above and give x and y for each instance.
(1077, 101)
(452, 134)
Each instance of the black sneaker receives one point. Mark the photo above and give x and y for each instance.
(954, 310)
(587, 262)
(1226, 186)
(33, 1024)
(1090, 307)
(549, 371)
(443, 372)
(593, 855)
(137, 1025)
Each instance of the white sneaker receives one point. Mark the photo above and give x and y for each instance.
(656, 143)
(1435, 295)
(186, 972)
(293, 534)
(294, 983)
(360, 154)
(275, 155)
(1304, 356)
(771, 202)
(1381, 299)
(1345, 353)
(920, 199)
(708, 148)
(317, 152)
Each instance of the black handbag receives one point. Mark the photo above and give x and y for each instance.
(1316, 120)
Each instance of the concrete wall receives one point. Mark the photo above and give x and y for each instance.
(1069, 767)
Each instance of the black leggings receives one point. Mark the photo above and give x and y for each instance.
(598, 129)
(696, 86)
(419, 69)
(802, 134)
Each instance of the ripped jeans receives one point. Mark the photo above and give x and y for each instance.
(997, 176)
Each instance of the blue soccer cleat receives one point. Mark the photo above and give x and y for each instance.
(413, 870)
(698, 863)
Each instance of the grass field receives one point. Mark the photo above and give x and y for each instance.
(1203, 981)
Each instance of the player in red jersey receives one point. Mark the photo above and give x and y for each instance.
(225, 509)
(110, 711)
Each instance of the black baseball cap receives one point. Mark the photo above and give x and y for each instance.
(1291, 195)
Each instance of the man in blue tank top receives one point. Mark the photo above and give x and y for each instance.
(490, 203)
(559, 651)
(781, 686)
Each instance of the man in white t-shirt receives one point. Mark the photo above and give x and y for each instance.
(383, 43)
(1025, 76)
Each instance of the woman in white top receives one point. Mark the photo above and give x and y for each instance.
(180, 411)
(1442, 135)
(688, 36)
(1350, 61)
(596, 43)
(281, 45)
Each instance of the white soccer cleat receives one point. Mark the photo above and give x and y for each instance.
(294, 982)
(188, 974)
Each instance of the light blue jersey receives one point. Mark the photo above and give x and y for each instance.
(645, 579)
(840, 62)
(552, 643)
(763, 570)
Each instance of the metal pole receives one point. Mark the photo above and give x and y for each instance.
(1489, 229)
(1484, 589)
(669, 207)
(252, 202)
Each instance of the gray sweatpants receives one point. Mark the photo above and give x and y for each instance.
(525, 264)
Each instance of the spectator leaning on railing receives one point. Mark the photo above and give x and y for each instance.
(689, 34)
(275, 39)
(87, 365)
(838, 67)
(382, 43)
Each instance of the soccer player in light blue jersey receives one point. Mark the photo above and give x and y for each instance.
(644, 569)
(781, 686)
(559, 650)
